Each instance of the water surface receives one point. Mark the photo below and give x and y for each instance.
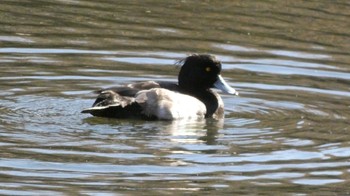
(287, 132)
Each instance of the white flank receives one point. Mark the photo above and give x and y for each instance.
(169, 105)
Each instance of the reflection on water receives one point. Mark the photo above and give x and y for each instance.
(287, 132)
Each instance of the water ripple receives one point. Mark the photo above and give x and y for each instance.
(287, 132)
(142, 169)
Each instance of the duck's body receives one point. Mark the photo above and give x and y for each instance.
(191, 98)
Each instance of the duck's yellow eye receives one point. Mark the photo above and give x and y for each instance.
(207, 69)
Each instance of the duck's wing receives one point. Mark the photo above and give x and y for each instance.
(111, 104)
(130, 101)
(131, 90)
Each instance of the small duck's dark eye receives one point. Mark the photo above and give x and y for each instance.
(208, 69)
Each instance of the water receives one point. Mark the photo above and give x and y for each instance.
(287, 132)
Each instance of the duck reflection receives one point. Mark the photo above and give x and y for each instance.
(199, 131)
(179, 131)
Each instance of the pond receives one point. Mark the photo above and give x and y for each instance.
(286, 133)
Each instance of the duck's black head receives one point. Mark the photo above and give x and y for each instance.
(199, 71)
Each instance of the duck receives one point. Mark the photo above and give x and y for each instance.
(192, 97)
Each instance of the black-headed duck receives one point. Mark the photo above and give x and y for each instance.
(190, 98)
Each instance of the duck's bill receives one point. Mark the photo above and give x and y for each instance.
(222, 85)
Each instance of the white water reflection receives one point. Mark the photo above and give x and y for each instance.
(95, 168)
(287, 53)
(16, 39)
(297, 54)
(144, 61)
(292, 88)
(317, 182)
(122, 53)
(280, 70)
